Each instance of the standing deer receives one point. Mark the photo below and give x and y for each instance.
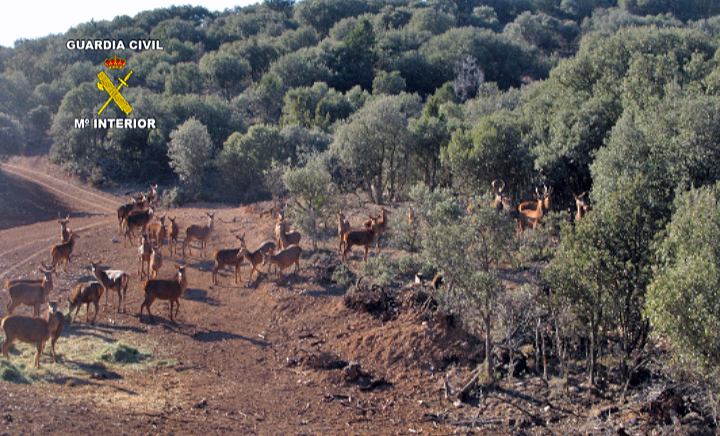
(155, 262)
(364, 237)
(33, 330)
(112, 279)
(161, 289)
(583, 206)
(86, 293)
(286, 238)
(63, 251)
(144, 253)
(31, 292)
(201, 233)
(283, 259)
(64, 231)
(228, 257)
(255, 257)
(532, 212)
(500, 200)
(157, 232)
(343, 227)
(173, 234)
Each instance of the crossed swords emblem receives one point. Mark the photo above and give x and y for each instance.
(114, 92)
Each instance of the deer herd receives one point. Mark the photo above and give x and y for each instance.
(283, 252)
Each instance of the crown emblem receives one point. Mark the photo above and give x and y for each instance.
(115, 63)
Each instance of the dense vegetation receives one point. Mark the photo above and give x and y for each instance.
(430, 101)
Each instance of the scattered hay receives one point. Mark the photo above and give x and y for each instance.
(122, 354)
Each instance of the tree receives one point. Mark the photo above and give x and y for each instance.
(190, 152)
(375, 141)
(312, 189)
(682, 300)
(388, 83)
(469, 251)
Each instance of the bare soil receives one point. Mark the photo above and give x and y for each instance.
(258, 358)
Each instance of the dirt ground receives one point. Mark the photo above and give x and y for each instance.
(262, 358)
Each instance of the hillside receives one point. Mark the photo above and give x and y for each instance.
(263, 358)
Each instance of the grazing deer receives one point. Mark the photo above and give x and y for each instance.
(64, 231)
(583, 206)
(201, 233)
(343, 227)
(86, 293)
(229, 257)
(112, 279)
(283, 259)
(500, 200)
(173, 234)
(286, 238)
(364, 237)
(144, 253)
(157, 232)
(161, 289)
(136, 220)
(156, 262)
(31, 292)
(33, 330)
(255, 257)
(63, 251)
(532, 212)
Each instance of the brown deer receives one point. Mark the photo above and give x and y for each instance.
(343, 227)
(64, 231)
(31, 292)
(283, 259)
(583, 206)
(125, 210)
(112, 279)
(136, 220)
(230, 257)
(532, 212)
(162, 289)
(500, 201)
(157, 232)
(63, 251)
(86, 293)
(201, 233)
(364, 237)
(256, 257)
(286, 238)
(173, 234)
(33, 330)
(144, 253)
(380, 226)
(156, 262)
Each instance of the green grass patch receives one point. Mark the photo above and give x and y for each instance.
(120, 353)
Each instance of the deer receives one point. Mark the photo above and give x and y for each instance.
(532, 212)
(125, 210)
(157, 231)
(31, 292)
(201, 233)
(229, 257)
(364, 237)
(255, 257)
(583, 206)
(156, 262)
(164, 289)
(144, 253)
(380, 226)
(112, 279)
(500, 201)
(63, 251)
(86, 293)
(33, 330)
(285, 237)
(136, 220)
(64, 231)
(283, 259)
(343, 227)
(173, 235)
